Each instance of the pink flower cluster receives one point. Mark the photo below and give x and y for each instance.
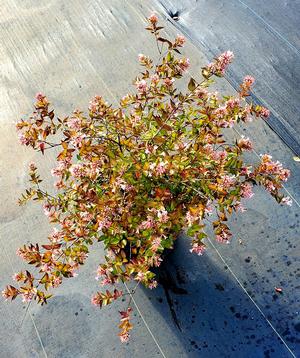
(104, 223)
(275, 168)
(224, 236)
(287, 201)
(180, 41)
(184, 64)
(245, 143)
(198, 248)
(77, 170)
(228, 181)
(169, 82)
(220, 64)
(23, 139)
(147, 224)
(74, 123)
(248, 81)
(141, 86)
(156, 244)
(153, 19)
(246, 191)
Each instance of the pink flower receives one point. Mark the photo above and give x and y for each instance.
(77, 170)
(23, 140)
(184, 64)
(198, 249)
(141, 86)
(59, 184)
(156, 244)
(124, 337)
(47, 209)
(221, 63)
(104, 224)
(73, 274)
(155, 79)
(157, 260)
(284, 174)
(224, 237)
(162, 215)
(201, 92)
(232, 103)
(224, 60)
(209, 209)
(32, 166)
(147, 224)
(100, 272)
(245, 143)
(248, 81)
(39, 96)
(264, 112)
(190, 218)
(96, 300)
(161, 168)
(27, 297)
(221, 112)
(152, 284)
(56, 282)
(270, 167)
(74, 123)
(6, 294)
(77, 141)
(228, 181)
(221, 239)
(153, 18)
(57, 172)
(287, 201)
(169, 81)
(246, 114)
(180, 40)
(142, 58)
(269, 185)
(219, 155)
(140, 276)
(46, 268)
(246, 190)
(18, 276)
(55, 235)
(106, 281)
(246, 170)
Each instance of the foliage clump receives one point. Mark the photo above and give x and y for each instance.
(134, 176)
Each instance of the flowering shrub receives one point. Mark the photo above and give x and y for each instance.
(134, 176)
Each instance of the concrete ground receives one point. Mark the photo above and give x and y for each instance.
(220, 305)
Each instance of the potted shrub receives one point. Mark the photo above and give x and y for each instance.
(134, 176)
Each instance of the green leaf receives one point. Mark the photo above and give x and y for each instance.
(192, 85)
(169, 57)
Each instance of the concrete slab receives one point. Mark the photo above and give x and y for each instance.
(71, 52)
(268, 52)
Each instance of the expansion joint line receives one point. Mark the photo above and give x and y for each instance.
(143, 319)
(251, 299)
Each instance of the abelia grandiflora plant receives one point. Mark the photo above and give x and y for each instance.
(134, 176)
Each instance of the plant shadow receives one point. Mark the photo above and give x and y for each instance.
(208, 311)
